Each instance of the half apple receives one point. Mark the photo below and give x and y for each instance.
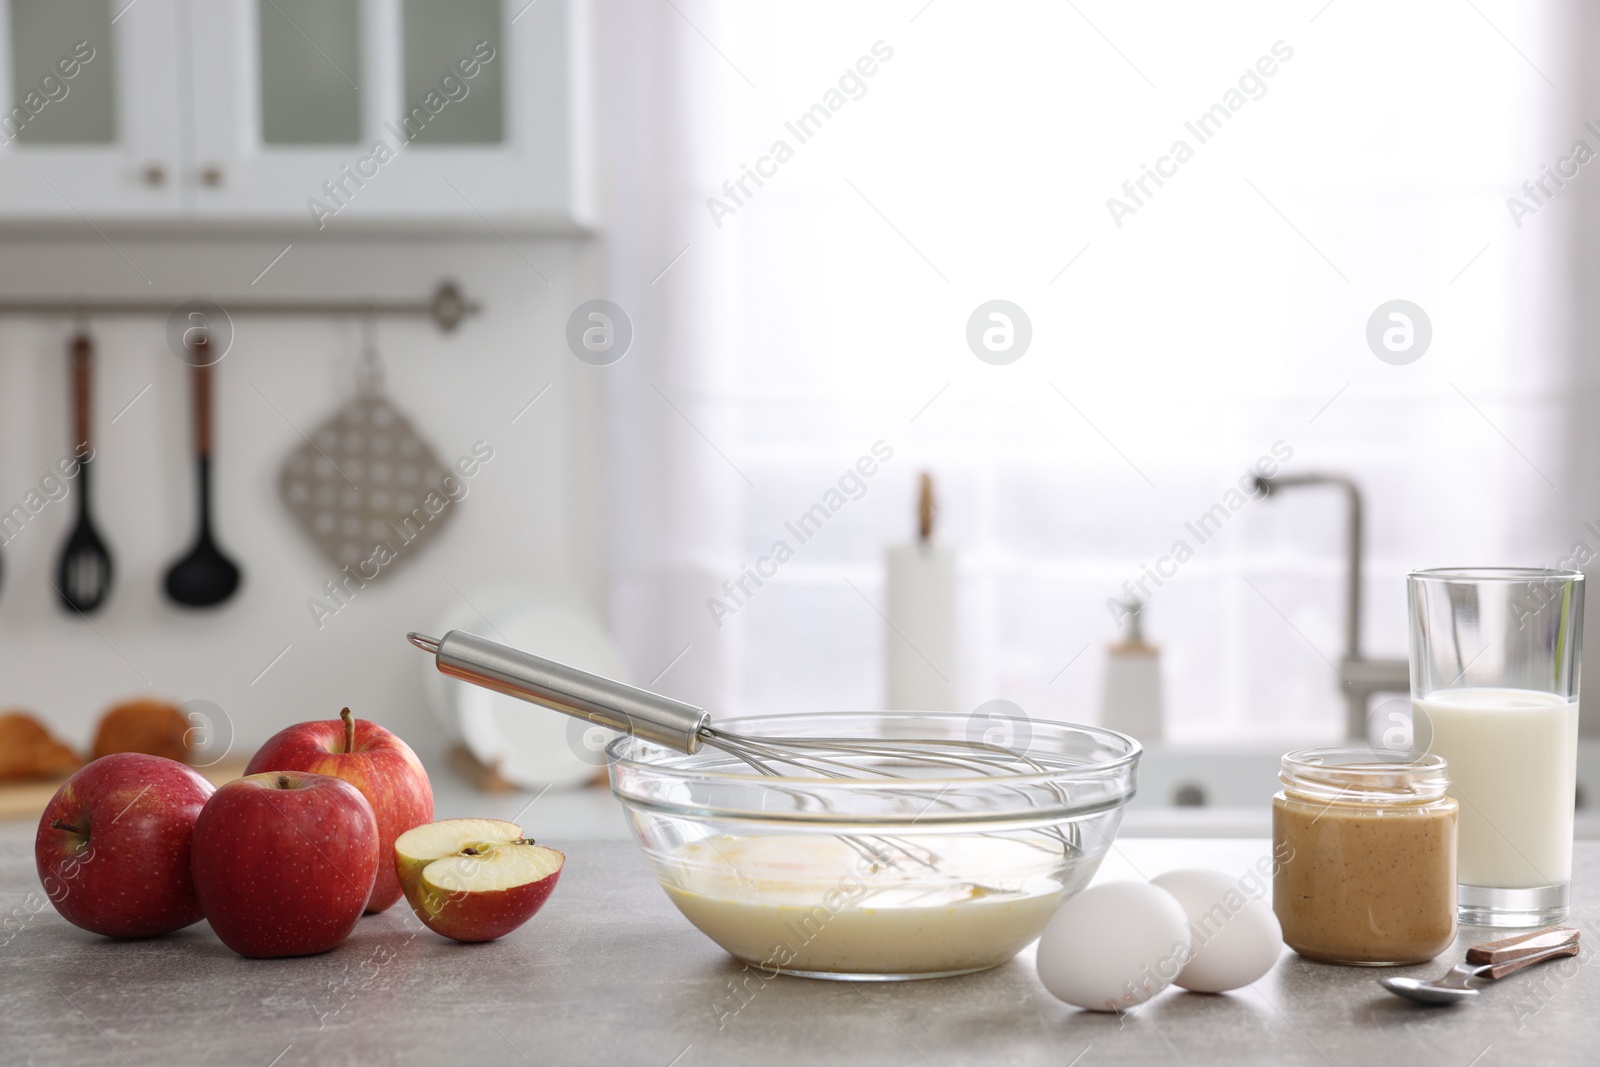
(474, 879)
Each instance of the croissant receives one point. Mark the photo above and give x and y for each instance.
(28, 751)
(149, 726)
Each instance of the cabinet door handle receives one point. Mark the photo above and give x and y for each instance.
(211, 176)
(154, 175)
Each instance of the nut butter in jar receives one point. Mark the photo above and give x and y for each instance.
(1365, 843)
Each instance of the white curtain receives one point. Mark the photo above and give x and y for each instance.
(971, 152)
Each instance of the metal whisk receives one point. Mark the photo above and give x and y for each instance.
(685, 728)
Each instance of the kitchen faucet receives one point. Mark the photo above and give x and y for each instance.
(1361, 677)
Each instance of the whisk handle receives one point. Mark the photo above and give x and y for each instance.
(566, 689)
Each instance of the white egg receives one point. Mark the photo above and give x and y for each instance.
(1234, 937)
(1113, 946)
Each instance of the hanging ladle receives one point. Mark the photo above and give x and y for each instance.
(205, 577)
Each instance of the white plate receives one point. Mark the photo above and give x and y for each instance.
(533, 746)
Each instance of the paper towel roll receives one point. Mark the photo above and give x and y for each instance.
(920, 640)
(1130, 696)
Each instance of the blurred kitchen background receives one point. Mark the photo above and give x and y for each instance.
(786, 310)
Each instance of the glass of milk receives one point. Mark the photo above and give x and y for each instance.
(1494, 690)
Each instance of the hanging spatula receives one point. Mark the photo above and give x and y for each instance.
(83, 577)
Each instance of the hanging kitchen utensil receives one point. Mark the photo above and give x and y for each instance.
(205, 576)
(83, 577)
(366, 487)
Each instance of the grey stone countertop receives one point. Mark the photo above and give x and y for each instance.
(609, 973)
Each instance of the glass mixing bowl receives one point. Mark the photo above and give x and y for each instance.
(942, 872)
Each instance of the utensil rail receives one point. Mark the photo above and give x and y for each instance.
(447, 307)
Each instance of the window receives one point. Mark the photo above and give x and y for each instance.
(1181, 328)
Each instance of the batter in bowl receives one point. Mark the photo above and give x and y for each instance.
(811, 904)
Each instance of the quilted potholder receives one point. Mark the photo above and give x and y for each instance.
(366, 487)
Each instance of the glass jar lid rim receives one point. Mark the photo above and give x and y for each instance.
(1355, 762)
(1493, 574)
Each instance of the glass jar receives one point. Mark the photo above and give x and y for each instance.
(1365, 849)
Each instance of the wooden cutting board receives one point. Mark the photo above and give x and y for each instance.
(26, 800)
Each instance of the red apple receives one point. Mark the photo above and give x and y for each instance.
(113, 845)
(474, 879)
(373, 760)
(284, 862)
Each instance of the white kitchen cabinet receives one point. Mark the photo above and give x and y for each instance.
(311, 115)
(104, 141)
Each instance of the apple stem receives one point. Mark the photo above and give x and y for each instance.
(61, 824)
(349, 730)
(283, 781)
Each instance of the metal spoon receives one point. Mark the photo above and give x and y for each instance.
(83, 577)
(1493, 959)
(205, 576)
